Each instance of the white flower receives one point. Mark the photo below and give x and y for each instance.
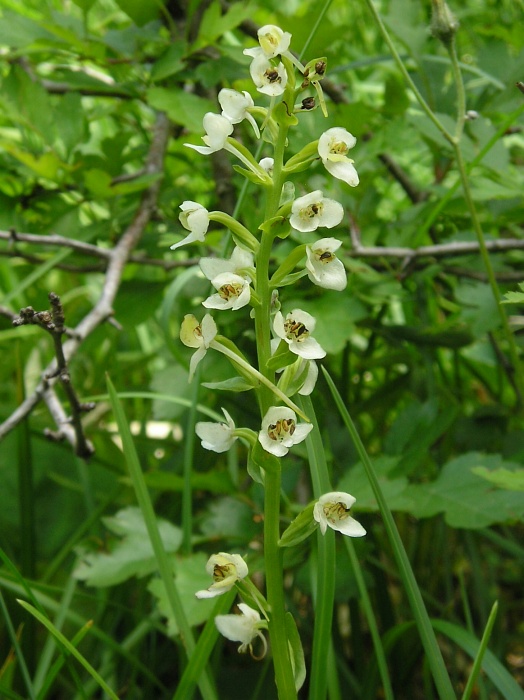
(269, 79)
(280, 430)
(195, 218)
(296, 330)
(313, 210)
(235, 106)
(332, 509)
(217, 437)
(233, 292)
(323, 266)
(273, 42)
(217, 129)
(333, 146)
(267, 164)
(311, 378)
(243, 628)
(197, 335)
(239, 263)
(226, 569)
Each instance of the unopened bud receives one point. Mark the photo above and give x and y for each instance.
(444, 25)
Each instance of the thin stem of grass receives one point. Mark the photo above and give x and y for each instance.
(463, 174)
(189, 450)
(18, 651)
(427, 636)
(324, 590)
(477, 664)
(165, 566)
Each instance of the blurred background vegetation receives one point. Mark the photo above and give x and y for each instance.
(414, 344)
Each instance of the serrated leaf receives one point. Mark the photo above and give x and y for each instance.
(131, 555)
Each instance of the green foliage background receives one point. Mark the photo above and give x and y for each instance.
(414, 343)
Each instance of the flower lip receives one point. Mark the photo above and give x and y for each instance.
(273, 40)
(218, 437)
(243, 628)
(296, 330)
(197, 335)
(235, 106)
(314, 210)
(217, 128)
(269, 79)
(233, 292)
(226, 569)
(333, 146)
(332, 510)
(194, 218)
(280, 431)
(323, 266)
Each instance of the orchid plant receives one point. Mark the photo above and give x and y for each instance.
(286, 348)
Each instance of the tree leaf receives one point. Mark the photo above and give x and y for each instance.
(131, 555)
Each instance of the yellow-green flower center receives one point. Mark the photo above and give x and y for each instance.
(222, 571)
(279, 430)
(335, 512)
(338, 148)
(229, 291)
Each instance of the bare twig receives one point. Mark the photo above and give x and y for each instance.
(53, 322)
(103, 309)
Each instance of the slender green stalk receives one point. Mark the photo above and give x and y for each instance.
(427, 636)
(164, 564)
(189, 449)
(326, 565)
(510, 338)
(18, 651)
(272, 552)
(400, 63)
(477, 665)
(66, 644)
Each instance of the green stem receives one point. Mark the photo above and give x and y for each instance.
(284, 676)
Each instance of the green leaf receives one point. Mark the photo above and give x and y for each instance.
(181, 107)
(227, 517)
(212, 481)
(356, 482)
(297, 652)
(169, 62)
(235, 384)
(190, 577)
(302, 527)
(466, 499)
(214, 24)
(131, 556)
(139, 11)
(502, 478)
(84, 5)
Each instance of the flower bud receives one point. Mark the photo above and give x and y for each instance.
(444, 24)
